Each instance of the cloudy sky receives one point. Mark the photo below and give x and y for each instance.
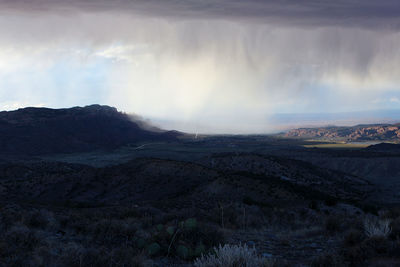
(202, 65)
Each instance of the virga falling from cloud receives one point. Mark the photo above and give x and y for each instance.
(203, 62)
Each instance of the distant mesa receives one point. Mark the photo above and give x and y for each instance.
(376, 132)
(35, 131)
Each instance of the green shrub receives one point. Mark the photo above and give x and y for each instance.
(160, 227)
(153, 249)
(170, 230)
(183, 252)
(140, 242)
(199, 250)
(190, 224)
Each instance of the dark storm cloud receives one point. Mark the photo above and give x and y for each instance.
(212, 59)
(360, 13)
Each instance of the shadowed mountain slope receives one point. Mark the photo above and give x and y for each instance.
(34, 131)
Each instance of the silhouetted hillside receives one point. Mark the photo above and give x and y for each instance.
(33, 131)
(384, 147)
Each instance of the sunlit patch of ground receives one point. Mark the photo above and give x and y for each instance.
(339, 145)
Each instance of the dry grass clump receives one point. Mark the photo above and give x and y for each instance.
(376, 227)
(232, 256)
(370, 242)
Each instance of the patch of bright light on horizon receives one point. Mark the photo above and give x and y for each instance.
(8, 106)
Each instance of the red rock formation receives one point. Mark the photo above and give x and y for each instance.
(356, 133)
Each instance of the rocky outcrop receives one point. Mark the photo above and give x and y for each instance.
(355, 133)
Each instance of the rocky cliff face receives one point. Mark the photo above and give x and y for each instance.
(356, 133)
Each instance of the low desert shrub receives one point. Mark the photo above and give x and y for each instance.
(392, 213)
(395, 227)
(21, 237)
(332, 224)
(369, 248)
(327, 260)
(113, 231)
(354, 255)
(10, 216)
(232, 256)
(352, 238)
(71, 255)
(330, 202)
(376, 246)
(371, 209)
(313, 205)
(37, 219)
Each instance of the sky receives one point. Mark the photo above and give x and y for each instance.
(223, 66)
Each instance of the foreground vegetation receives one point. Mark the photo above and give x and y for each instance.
(146, 236)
